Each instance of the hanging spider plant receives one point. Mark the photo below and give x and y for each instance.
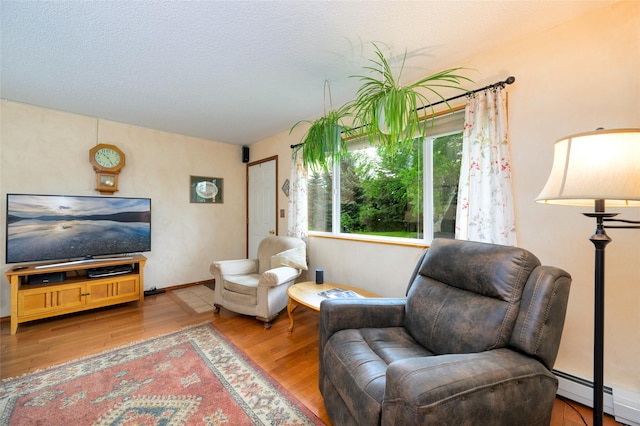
(324, 141)
(387, 111)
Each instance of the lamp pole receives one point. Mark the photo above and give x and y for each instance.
(600, 239)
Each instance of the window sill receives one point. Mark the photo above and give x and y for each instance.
(368, 239)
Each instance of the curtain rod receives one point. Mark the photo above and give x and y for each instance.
(500, 84)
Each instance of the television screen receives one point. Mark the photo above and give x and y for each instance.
(54, 227)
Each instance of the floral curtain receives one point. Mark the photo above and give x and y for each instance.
(298, 211)
(485, 201)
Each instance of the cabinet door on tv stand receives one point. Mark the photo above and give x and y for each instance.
(105, 292)
(45, 300)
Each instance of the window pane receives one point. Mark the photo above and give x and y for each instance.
(320, 201)
(447, 155)
(393, 192)
(381, 191)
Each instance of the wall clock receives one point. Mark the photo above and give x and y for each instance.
(107, 161)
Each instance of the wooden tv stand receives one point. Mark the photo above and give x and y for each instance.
(76, 292)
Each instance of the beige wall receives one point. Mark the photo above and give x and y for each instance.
(573, 78)
(47, 152)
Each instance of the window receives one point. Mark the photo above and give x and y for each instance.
(408, 193)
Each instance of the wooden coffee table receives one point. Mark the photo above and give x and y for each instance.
(306, 294)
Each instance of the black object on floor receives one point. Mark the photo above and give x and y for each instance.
(153, 291)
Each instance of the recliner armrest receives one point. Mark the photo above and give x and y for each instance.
(341, 314)
(276, 276)
(234, 267)
(458, 386)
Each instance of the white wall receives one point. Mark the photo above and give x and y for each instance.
(573, 78)
(47, 152)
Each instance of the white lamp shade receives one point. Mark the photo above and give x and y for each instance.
(600, 165)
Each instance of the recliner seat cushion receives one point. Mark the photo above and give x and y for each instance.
(359, 359)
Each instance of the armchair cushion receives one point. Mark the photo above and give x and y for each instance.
(234, 267)
(277, 276)
(243, 284)
(248, 284)
(295, 257)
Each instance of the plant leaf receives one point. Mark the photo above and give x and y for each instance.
(388, 111)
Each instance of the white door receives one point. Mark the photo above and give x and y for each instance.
(262, 207)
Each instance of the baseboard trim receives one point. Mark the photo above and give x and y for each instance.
(176, 287)
(623, 404)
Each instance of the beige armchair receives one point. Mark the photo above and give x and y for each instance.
(258, 287)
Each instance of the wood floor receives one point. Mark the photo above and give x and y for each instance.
(291, 359)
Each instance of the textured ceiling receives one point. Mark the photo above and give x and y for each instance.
(238, 71)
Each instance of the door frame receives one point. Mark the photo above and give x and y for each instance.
(275, 213)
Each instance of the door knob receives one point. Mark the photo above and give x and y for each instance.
(272, 232)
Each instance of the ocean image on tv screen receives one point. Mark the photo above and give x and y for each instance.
(43, 227)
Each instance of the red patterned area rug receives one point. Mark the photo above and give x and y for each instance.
(191, 377)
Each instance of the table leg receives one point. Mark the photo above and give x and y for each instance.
(291, 306)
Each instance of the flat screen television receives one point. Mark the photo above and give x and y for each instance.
(75, 228)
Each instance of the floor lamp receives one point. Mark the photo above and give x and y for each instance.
(597, 169)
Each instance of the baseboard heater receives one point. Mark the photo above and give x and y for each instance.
(623, 404)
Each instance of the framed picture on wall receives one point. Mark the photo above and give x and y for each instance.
(206, 189)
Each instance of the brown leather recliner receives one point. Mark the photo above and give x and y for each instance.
(473, 343)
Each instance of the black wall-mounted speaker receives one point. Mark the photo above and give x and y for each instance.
(245, 154)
